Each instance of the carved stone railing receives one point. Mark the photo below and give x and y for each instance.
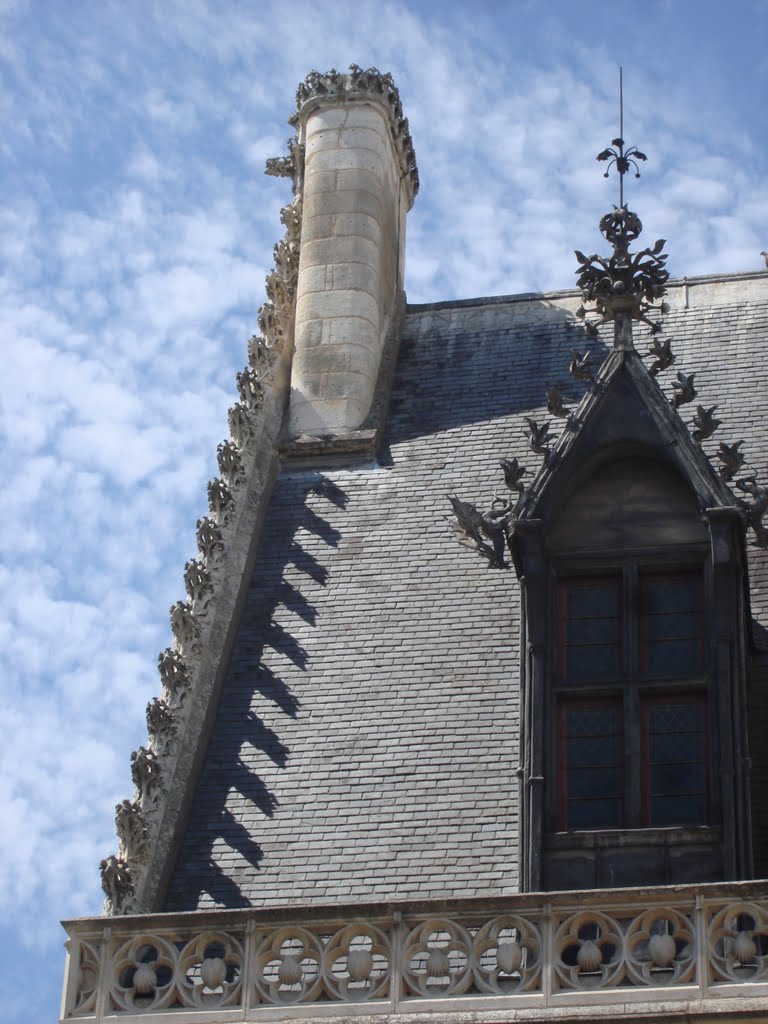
(699, 950)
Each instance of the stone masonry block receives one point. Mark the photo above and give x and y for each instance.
(346, 201)
(309, 333)
(366, 115)
(319, 182)
(346, 330)
(327, 118)
(347, 159)
(357, 276)
(337, 225)
(359, 180)
(330, 305)
(316, 279)
(337, 359)
(348, 249)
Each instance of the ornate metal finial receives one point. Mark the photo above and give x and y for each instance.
(623, 160)
(623, 286)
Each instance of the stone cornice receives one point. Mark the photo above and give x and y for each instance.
(358, 85)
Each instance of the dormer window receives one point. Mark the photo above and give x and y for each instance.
(630, 701)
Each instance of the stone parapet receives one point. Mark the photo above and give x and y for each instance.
(692, 953)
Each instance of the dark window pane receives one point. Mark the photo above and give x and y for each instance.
(674, 657)
(676, 779)
(671, 595)
(676, 776)
(594, 662)
(671, 625)
(590, 765)
(674, 626)
(588, 783)
(594, 751)
(591, 631)
(594, 814)
(676, 747)
(671, 719)
(592, 600)
(591, 720)
(678, 810)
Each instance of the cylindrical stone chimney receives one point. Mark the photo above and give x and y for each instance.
(359, 182)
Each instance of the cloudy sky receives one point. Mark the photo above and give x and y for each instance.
(137, 227)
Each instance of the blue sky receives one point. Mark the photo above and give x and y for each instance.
(137, 228)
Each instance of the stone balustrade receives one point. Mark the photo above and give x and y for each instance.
(700, 951)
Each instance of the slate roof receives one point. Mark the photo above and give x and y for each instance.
(366, 740)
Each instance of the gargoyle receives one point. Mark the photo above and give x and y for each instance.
(705, 423)
(485, 532)
(538, 436)
(684, 390)
(732, 460)
(580, 367)
(663, 355)
(755, 509)
(555, 405)
(513, 474)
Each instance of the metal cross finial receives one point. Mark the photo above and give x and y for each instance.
(616, 154)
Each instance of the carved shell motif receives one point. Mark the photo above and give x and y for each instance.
(145, 979)
(289, 972)
(589, 958)
(744, 948)
(213, 971)
(359, 964)
(509, 957)
(438, 965)
(662, 950)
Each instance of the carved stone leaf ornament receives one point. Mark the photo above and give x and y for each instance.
(538, 436)
(161, 726)
(663, 356)
(580, 367)
(555, 405)
(250, 389)
(240, 425)
(117, 883)
(230, 464)
(173, 671)
(209, 539)
(684, 389)
(705, 423)
(731, 459)
(220, 500)
(184, 627)
(146, 772)
(131, 830)
(513, 474)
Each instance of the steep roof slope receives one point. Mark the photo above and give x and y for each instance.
(366, 739)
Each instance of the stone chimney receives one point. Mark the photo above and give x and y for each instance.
(359, 181)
